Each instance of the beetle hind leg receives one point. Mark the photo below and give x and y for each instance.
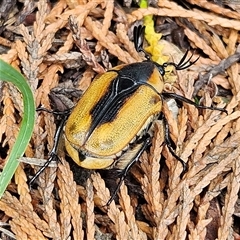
(137, 152)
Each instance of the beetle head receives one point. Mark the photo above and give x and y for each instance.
(184, 63)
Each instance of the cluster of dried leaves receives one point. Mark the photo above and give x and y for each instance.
(47, 42)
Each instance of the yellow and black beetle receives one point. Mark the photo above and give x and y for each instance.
(107, 127)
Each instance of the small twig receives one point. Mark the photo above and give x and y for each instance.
(222, 66)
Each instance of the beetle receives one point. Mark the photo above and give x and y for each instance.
(114, 112)
(109, 127)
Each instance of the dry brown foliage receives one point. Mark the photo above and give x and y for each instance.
(54, 41)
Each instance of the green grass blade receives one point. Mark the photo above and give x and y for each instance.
(9, 74)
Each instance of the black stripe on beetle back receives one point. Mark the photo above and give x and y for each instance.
(129, 78)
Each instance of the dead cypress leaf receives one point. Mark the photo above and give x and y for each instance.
(56, 11)
(216, 8)
(200, 43)
(51, 218)
(50, 128)
(174, 10)
(134, 231)
(102, 195)
(182, 128)
(231, 197)
(11, 56)
(150, 181)
(86, 79)
(68, 43)
(213, 131)
(37, 44)
(70, 208)
(68, 60)
(121, 33)
(104, 41)
(184, 213)
(19, 211)
(23, 189)
(83, 47)
(90, 210)
(207, 175)
(50, 80)
(231, 45)
(65, 215)
(38, 136)
(222, 134)
(216, 187)
(46, 182)
(8, 122)
(120, 226)
(108, 15)
(122, 229)
(223, 155)
(82, 11)
(204, 221)
(172, 122)
(224, 64)
(218, 46)
(26, 230)
(198, 134)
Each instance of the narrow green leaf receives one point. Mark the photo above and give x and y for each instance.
(9, 74)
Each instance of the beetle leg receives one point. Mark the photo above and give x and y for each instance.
(53, 153)
(124, 172)
(169, 145)
(186, 100)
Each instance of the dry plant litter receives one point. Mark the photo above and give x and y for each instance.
(54, 40)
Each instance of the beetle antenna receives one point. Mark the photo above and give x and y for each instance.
(138, 38)
(183, 63)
